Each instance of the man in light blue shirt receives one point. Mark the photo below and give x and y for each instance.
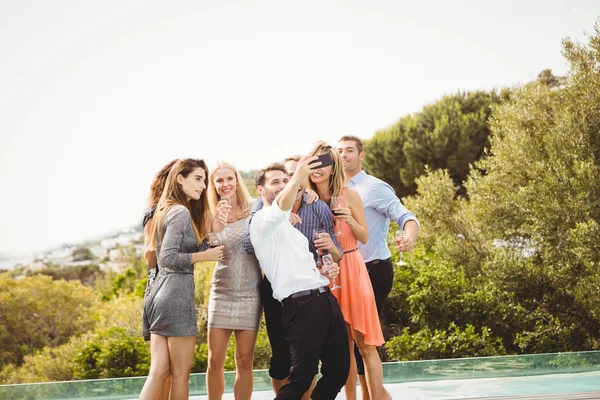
(381, 205)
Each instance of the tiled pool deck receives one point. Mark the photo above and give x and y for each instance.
(527, 375)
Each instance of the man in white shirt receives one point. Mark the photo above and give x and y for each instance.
(314, 325)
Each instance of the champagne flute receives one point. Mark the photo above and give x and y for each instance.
(327, 262)
(317, 235)
(400, 234)
(336, 203)
(228, 204)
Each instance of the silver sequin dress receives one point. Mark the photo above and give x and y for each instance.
(169, 308)
(234, 296)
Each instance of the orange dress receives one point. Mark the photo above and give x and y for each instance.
(355, 296)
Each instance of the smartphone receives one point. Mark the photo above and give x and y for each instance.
(325, 160)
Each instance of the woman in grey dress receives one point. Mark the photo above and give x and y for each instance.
(234, 304)
(180, 223)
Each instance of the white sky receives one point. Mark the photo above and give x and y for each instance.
(95, 96)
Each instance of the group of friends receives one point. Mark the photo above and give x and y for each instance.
(318, 232)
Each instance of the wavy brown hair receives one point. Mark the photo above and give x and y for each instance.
(337, 178)
(158, 183)
(241, 193)
(173, 195)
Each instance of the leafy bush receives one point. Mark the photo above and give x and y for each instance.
(453, 342)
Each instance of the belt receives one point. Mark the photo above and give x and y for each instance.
(349, 251)
(375, 262)
(308, 292)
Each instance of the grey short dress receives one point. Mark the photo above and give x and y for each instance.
(234, 295)
(169, 308)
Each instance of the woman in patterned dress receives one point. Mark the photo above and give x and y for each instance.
(234, 305)
(181, 222)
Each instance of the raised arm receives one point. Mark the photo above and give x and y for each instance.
(287, 197)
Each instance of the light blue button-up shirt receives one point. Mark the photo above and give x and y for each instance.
(381, 205)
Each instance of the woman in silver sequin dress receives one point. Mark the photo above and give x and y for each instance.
(234, 305)
(180, 223)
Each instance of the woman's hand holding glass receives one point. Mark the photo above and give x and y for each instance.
(215, 242)
(223, 210)
(337, 203)
(344, 214)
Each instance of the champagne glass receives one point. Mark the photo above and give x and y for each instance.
(400, 234)
(214, 240)
(336, 203)
(327, 262)
(317, 235)
(228, 204)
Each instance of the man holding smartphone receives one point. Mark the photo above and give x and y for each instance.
(307, 217)
(381, 205)
(313, 322)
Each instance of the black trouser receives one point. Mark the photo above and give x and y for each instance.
(280, 364)
(315, 330)
(381, 273)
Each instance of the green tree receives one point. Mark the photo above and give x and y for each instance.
(86, 274)
(36, 312)
(518, 257)
(82, 254)
(450, 134)
(112, 353)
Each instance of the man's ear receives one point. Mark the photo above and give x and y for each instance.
(361, 156)
(261, 190)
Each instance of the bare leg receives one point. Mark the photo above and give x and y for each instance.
(218, 340)
(363, 387)
(159, 368)
(244, 358)
(373, 368)
(166, 388)
(350, 386)
(181, 353)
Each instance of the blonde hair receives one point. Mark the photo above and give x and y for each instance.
(337, 179)
(173, 194)
(241, 193)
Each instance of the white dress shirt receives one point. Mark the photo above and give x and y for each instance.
(283, 254)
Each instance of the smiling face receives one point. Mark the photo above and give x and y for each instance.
(225, 182)
(194, 184)
(275, 181)
(351, 157)
(321, 174)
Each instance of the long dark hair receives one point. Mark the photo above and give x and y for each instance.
(173, 194)
(158, 183)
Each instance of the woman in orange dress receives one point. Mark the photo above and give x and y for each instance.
(355, 295)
